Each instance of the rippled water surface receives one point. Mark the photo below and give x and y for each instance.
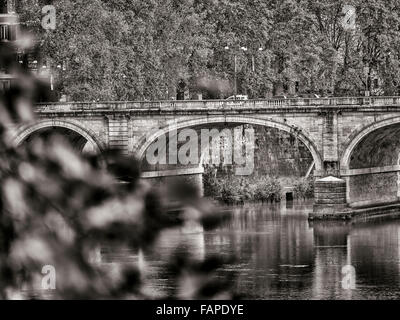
(280, 255)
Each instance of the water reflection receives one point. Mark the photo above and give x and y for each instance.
(280, 255)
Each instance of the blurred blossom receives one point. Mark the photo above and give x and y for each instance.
(56, 224)
(24, 110)
(126, 210)
(15, 199)
(72, 165)
(214, 87)
(25, 41)
(27, 172)
(32, 249)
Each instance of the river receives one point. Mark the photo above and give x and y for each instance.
(280, 255)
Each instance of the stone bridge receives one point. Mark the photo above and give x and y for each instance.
(354, 139)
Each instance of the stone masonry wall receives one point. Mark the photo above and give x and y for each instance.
(373, 188)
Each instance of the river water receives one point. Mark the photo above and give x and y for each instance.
(280, 255)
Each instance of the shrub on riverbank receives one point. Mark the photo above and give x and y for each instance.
(304, 188)
(235, 190)
(268, 190)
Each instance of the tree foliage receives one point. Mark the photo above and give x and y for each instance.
(141, 49)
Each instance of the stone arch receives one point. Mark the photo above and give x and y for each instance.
(145, 142)
(357, 137)
(369, 163)
(26, 130)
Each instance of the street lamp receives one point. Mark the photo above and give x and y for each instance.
(51, 71)
(243, 48)
(367, 71)
(235, 67)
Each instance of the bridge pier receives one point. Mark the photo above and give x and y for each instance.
(330, 196)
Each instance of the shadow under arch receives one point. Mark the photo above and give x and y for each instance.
(356, 138)
(146, 142)
(23, 133)
(370, 164)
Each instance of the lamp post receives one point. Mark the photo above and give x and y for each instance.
(235, 66)
(236, 51)
(367, 71)
(52, 71)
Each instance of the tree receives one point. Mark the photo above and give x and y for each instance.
(142, 49)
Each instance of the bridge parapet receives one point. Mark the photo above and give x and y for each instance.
(206, 105)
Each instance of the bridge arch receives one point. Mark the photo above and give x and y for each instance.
(146, 142)
(370, 164)
(356, 138)
(25, 131)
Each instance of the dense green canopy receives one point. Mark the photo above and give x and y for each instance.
(141, 49)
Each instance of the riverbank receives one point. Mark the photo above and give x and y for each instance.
(355, 214)
(234, 190)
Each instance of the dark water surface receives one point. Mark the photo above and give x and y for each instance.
(280, 255)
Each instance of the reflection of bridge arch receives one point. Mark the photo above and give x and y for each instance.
(355, 139)
(25, 131)
(145, 142)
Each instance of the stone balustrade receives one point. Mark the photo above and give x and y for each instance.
(207, 105)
